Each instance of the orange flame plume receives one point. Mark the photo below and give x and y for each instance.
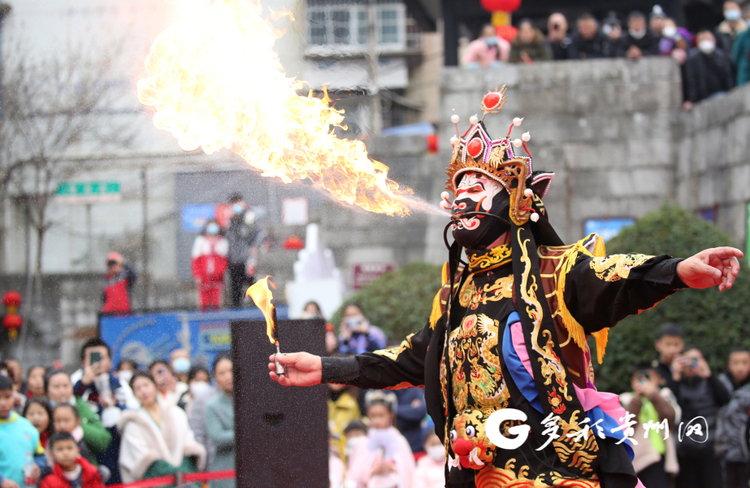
(261, 294)
(216, 82)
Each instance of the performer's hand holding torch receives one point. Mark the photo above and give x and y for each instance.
(302, 369)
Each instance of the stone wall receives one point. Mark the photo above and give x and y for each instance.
(712, 153)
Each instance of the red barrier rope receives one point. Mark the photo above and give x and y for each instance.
(186, 478)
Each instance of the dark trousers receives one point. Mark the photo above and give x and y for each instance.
(654, 476)
(240, 283)
(699, 472)
(737, 475)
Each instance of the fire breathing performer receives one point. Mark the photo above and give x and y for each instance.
(507, 337)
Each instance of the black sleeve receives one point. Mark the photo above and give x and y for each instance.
(398, 367)
(721, 394)
(599, 292)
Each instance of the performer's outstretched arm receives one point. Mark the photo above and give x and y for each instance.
(599, 292)
(398, 367)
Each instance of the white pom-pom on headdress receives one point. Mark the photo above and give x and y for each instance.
(445, 205)
(454, 140)
(474, 120)
(528, 193)
(517, 142)
(526, 137)
(455, 118)
(535, 217)
(517, 121)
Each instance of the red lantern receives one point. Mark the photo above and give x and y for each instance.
(509, 6)
(507, 32)
(12, 321)
(294, 243)
(432, 143)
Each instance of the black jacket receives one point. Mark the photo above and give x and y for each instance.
(706, 74)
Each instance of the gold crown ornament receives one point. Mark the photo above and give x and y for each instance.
(476, 151)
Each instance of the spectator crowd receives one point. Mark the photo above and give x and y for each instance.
(712, 61)
(102, 425)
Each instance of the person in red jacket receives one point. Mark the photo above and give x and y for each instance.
(71, 470)
(209, 264)
(118, 285)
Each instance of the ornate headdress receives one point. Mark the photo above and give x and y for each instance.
(476, 151)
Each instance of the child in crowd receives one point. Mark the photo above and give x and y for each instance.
(67, 419)
(342, 409)
(70, 469)
(385, 460)
(733, 420)
(669, 343)
(355, 433)
(336, 467)
(19, 442)
(38, 411)
(655, 460)
(430, 470)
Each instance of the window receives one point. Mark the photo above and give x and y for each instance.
(344, 27)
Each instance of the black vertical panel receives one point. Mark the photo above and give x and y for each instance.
(281, 433)
(450, 33)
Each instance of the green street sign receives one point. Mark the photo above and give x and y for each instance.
(89, 192)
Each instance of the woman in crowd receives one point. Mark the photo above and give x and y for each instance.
(35, 382)
(529, 45)
(59, 390)
(156, 439)
(220, 419)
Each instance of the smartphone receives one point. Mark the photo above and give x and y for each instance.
(693, 363)
(95, 357)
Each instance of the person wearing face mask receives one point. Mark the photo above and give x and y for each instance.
(508, 335)
(244, 238)
(741, 55)
(429, 472)
(488, 50)
(125, 369)
(732, 26)
(342, 409)
(639, 40)
(708, 71)
(209, 262)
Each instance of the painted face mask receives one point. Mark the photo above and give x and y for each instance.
(478, 193)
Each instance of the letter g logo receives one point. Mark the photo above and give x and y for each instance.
(492, 429)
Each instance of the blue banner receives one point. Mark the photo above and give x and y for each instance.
(146, 337)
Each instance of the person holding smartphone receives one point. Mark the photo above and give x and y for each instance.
(699, 393)
(97, 384)
(357, 335)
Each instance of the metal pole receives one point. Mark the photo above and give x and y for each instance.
(144, 237)
(89, 238)
(372, 68)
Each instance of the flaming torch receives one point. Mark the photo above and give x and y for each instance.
(261, 294)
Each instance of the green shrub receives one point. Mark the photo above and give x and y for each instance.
(400, 301)
(714, 321)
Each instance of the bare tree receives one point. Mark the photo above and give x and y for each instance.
(54, 108)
